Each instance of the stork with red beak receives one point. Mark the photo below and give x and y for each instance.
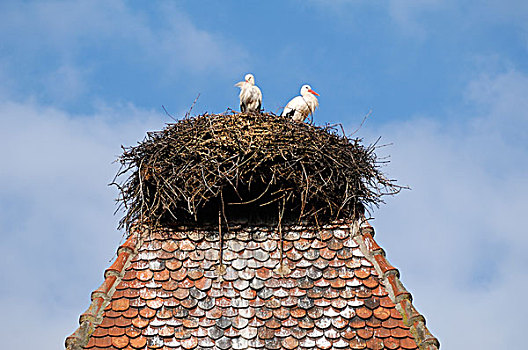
(302, 106)
(250, 95)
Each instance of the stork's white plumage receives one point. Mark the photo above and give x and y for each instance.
(302, 106)
(250, 95)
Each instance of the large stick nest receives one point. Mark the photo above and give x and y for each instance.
(255, 167)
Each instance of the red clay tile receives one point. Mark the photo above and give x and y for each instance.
(399, 332)
(339, 322)
(365, 333)
(386, 302)
(132, 332)
(290, 343)
(375, 344)
(173, 264)
(408, 343)
(364, 293)
(334, 244)
(183, 333)
(140, 322)
(100, 332)
(381, 332)
(138, 342)
(161, 276)
(306, 323)
(298, 312)
(382, 313)
(264, 273)
(145, 275)
(104, 342)
(195, 274)
(357, 322)
(155, 303)
(122, 322)
(273, 323)
(326, 235)
(189, 303)
(266, 333)
(391, 343)
(190, 323)
(181, 293)
(338, 303)
(373, 322)
(391, 323)
(337, 283)
(371, 282)
(115, 332)
(363, 312)
(186, 245)
(349, 333)
(147, 294)
(327, 253)
(179, 275)
(107, 322)
(147, 312)
(131, 293)
(281, 313)
(357, 343)
(362, 273)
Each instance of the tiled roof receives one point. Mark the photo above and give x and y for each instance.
(326, 288)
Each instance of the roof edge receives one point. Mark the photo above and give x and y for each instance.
(102, 296)
(363, 234)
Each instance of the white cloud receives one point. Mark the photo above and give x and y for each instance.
(408, 14)
(56, 213)
(66, 83)
(414, 18)
(76, 38)
(458, 236)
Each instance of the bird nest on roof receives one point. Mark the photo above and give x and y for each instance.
(251, 167)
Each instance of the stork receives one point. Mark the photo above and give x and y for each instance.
(250, 95)
(302, 106)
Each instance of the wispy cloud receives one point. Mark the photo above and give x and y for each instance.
(409, 14)
(77, 39)
(458, 236)
(420, 18)
(56, 212)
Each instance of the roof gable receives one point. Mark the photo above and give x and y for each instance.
(316, 288)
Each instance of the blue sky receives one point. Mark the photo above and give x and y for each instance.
(446, 81)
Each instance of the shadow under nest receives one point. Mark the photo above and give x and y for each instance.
(256, 168)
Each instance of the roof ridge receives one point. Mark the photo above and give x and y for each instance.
(102, 296)
(363, 234)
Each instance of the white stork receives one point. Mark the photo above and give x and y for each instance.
(302, 106)
(250, 95)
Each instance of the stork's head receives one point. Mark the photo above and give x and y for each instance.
(249, 78)
(307, 89)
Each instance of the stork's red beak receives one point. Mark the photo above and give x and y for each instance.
(313, 92)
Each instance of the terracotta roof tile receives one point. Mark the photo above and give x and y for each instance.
(168, 290)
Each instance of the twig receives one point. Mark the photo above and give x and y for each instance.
(167, 113)
(363, 121)
(192, 106)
